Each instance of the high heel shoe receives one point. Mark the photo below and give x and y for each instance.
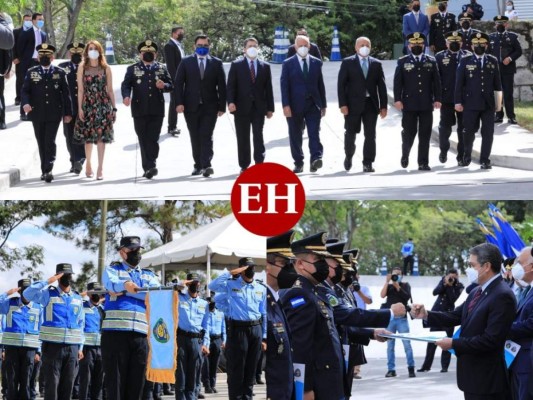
(89, 174)
(99, 175)
(100, 178)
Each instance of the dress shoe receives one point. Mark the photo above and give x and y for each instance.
(17, 102)
(423, 369)
(298, 169)
(150, 173)
(498, 120)
(3, 125)
(316, 165)
(424, 167)
(209, 390)
(71, 170)
(486, 165)
(201, 396)
(390, 374)
(214, 390)
(168, 392)
(196, 171)
(48, 177)
(259, 381)
(347, 164)
(208, 172)
(24, 118)
(243, 169)
(467, 161)
(411, 372)
(368, 168)
(42, 177)
(512, 121)
(404, 163)
(76, 167)
(460, 163)
(443, 157)
(444, 370)
(174, 132)
(357, 376)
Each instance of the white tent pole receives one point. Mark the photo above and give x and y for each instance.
(208, 265)
(163, 281)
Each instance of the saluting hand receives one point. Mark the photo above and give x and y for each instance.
(237, 271)
(54, 278)
(11, 291)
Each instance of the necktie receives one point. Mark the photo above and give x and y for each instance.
(417, 59)
(365, 67)
(416, 18)
(523, 295)
(474, 301)
(252, 71)
(480, 63)
(202, 68)
(305, 69)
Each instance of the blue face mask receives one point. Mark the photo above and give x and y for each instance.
(202, 51)
(27, 24)
(40, 24)
(399, 278)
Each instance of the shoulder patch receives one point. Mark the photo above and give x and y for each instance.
(332, 300)
(297, 302)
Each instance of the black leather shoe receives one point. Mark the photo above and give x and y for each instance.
(404, 162)
(298, 169)
(411, 372)
(347, 164)
(150, 173)
(460, 163)
(316, 165)
(390, 374)
(24, 118)
(444, 370)
(466, 161)
(215, 390)
(3, 125)
(196, 172)
(423, 370)
(498, 120)
(512, 121)
(208, 172)
(368, 168)
(168, 392)
(424, 167)
(259, 381)
(48, 177)
(17, 102)
(42, 177)
(174, 132)
(443, 157)
(209, 390)
(76, 167)
(201, 396)
(486, 165)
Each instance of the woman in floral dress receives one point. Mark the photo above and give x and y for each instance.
(97, 111)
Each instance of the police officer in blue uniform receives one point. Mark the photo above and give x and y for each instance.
(217, 337)
(448, 60)
(478, 76)
(246, 327)
(441, 22)
(61, 331)
(75, 150)
(148, 80)
(417, 91)
(124, 329)
(504, 45)
(91, 370)
(46, 100)
(465, 22)
(408, 251)
(279, 370)
(20, 340)
(193, 339)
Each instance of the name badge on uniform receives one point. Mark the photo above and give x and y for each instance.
(236, 290)
(408, 66)
(471, 67)
(35, 76)
(55, 76)
(123, 274)
(445, 61)
(428, 65)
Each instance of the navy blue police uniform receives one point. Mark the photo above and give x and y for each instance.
(441, 22)
(465, 21)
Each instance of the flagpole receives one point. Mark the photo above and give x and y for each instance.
(208, 278)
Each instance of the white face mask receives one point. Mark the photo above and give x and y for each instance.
(27, 24)
(518, 271)
(93, 54)
(364, 51)
(509, 8)
(472, 275)
(303, 51)
(251, 52)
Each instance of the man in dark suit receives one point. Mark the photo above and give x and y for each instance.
(504, 45)
(26, 25)
(362, 96)
(200, 93)
(26, 49)
(415, 21)
(522, 329)
(485, 318)
(75, 150)
(465, 21)
(417, 91)
(174, 52)
(148, 80)
(441, 22)
(46, 98)
(303, 96)
(478, 76)
(250, 99)
(313, 50)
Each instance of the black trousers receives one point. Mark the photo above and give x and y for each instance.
(445, 357)
(414, 122)
(75, 150)
(201, 124)
(60, 366)
(210, 366)
(45, 133)
(310, 119)
(18, 364)
(496, 396)
(33, 379)
(408, 263)
(2, 100)
(19, 81)
(448, 118)
(472, 120)
(352, 126)
(189, 365)
(243, 347)
(172, 114)
(256, 120)
(124, 357)
(152, 390)
(508, 99)
(148, 129)
(91, 374)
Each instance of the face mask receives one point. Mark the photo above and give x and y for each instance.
(211, 306)
(193, 287)
(338, 275)
(303, 51)
(500, 28)
(472, 1)
(518, 271)
(455, 46)
(40, 24)
(44, 61)
(148, 57)
(76, 58)
(509, 8)
(472, 275)
(65, 280)
(399, 279)
(479, 50)
(364, 51)
(465, 25)
(442, 7)
(286, 277)
(133, 258)
(180, 37)
(249, 272)
(322, 270)
(348, 280)
(416, 8)
(416, 50)
(202, 51)
(251, 52)
(27, 24)
(93, 54)
(95, 298)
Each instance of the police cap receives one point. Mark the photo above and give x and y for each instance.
(193, 276)
(502, 19)
(416, 38)
(147, 45)
(315, 244)
(24, 283)
(64, 268)
(453, 36)
(281, 244)
(76, 47)
(480, 38)
(96, 286)
(246, 261)
(45, 49)
(130, 242)
(465, 16)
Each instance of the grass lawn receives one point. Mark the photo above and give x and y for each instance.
(524, 114)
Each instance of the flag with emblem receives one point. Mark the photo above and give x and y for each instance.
(162, 316)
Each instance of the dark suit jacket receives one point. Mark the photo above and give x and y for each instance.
(314, 51)
(522, 333)
(26, 46)
(242, 92)
(503, 46)
(352, 85)
(409, 25)
(479, 348)
(16, 34)
(172, 58)
(295, 89)
(189, 88)
(6, 35)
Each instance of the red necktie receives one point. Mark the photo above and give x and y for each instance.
(474, 301)
(252, 71)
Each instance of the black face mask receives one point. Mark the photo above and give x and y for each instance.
(455, 46)
(322, 270)
(348, 280)
(249, 272)
(479, 50)
(133, 258)
(45, 61)
(416, 8)
(442, 7)
(148, 57)
(76, 58)
(65, 280)
(465, 25)
(95, 298)
(500, 28)
(416, 50)
(180, 37)
(287, 276)
(338, 275)
(211, 306)
(193, 287)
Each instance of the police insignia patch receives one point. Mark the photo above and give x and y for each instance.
(333, 301)
(160, 331)
(297, 302)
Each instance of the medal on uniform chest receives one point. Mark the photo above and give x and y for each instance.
(280, 348)
(138, 81)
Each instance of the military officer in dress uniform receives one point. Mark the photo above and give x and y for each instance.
(148, 80)
(91, 369)
(76, 151)
(217, 338)
(20, 340)
(417, 91)
(478, 76)
(441, 22)
(193, 339)
(279, 370)
(504, 45)
(61, 331)
(46, 100)
(124, 344)
(448, 60)
(247, 325)
(465, 22)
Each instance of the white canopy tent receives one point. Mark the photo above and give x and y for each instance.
(216, 245)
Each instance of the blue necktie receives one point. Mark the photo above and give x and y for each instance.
(305, 69)
(365, 67)
(523, 295)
